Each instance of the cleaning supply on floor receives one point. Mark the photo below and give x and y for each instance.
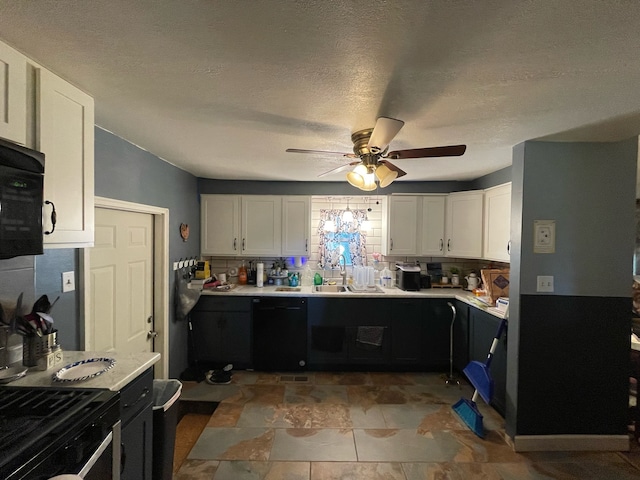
(479, 375)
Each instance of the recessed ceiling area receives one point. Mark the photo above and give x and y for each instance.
(222, 89)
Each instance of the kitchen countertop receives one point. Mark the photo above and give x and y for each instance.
(394, 292)
(127, 368)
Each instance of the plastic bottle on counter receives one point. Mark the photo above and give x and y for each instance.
(242, 274)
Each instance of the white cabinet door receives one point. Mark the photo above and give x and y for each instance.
(464, 224)
(65, 136)
(432, 225)
(402, 231)
(13, 95)
(497, 223)
(261, 225)
(296, 225)
(220, 225)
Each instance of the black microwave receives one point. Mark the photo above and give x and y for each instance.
(21, 191)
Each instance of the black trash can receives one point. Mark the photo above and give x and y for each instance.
(165, 419)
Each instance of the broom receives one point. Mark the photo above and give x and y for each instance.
(480, 377)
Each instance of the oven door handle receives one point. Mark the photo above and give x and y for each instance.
(86, 468)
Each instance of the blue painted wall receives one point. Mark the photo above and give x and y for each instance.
(124, 171)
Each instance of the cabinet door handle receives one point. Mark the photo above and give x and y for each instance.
(54, 218)
(391, 244)
(243, 245)
(235, 241)
(441, 244)
(306, 245)
(509, 247)
(449, 245)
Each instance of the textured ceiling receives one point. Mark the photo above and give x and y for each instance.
(222, 88)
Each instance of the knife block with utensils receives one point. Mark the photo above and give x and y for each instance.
(40, 351)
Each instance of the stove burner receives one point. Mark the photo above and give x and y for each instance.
(34, 420)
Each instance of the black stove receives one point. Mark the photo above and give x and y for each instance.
(38, 424)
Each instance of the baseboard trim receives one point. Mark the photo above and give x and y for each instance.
(571, 443)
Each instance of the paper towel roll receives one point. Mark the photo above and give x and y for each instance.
(260, 275)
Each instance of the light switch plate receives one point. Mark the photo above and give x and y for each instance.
(544, 283)
(68, 281)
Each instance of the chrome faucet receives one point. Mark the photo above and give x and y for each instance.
(343, 269)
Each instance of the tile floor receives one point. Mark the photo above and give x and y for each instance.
(349, 426)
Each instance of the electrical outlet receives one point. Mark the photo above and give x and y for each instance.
(68, 281)
(545, 283)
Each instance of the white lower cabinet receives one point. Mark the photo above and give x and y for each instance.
(255, 225)
(65, 134)
(497, 223)
(464, 224)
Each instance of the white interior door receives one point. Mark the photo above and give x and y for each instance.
(121, 281)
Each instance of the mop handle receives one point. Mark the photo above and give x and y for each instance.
(451, 340)
(496, 340)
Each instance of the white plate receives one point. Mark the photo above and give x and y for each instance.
(84, 370)
(12, 373)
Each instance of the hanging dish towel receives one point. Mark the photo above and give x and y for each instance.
(370, 336)
(186, 298)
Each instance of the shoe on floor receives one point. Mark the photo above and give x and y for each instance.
(218, 377)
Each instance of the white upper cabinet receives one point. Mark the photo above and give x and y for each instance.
(261, 225)
(432, 225)
(239, 225)
(464, 224)
(13, 95)
(497, 223)
(65, 134)
(220, 225)
(296, 225)
(402, 225)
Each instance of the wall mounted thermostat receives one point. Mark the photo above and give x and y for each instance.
(544, 236)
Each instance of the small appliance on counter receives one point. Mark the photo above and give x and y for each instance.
(408, 277)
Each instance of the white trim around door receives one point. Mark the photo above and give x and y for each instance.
(160, 279)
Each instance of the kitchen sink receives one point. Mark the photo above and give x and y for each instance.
(366, 289)
(288, 289)
(330, 288)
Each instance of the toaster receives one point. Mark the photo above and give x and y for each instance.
(408, 277)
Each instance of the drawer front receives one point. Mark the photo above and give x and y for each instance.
(227, 304)
(136, 396)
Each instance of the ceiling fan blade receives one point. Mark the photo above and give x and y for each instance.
(448, 151)
(385, 130)
(322, 152)
(391, 166)
(339, 169)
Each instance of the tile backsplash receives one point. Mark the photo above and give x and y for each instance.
(17, 275)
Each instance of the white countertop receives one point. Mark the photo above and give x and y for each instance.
(394, 292)
(126, 369)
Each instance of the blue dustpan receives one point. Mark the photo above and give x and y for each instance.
(478, 373)
(480, 377)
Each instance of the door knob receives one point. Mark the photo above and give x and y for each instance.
(152, 334)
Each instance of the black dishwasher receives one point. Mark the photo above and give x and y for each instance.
(279, 333)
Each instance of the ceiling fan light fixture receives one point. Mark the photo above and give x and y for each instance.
(357, 176)
(369, 182)
(385, 175)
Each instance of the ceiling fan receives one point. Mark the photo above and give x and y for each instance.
(370, 147)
